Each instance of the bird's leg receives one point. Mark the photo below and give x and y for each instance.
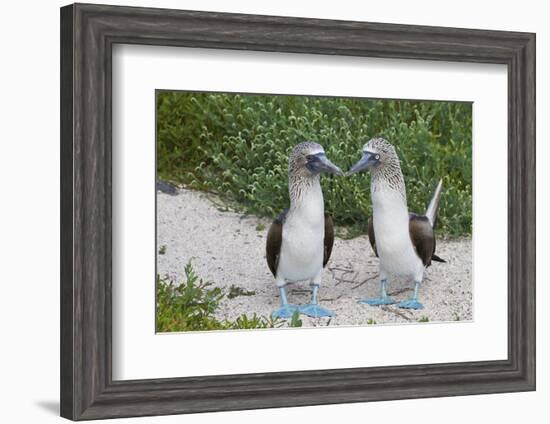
(413, 302)
(314, 292)
(286, 310)
(383, 299)
(312, 309)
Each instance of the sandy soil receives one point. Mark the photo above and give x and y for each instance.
(227, 249)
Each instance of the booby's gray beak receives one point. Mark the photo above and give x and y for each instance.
(368, 160)
(320, 163)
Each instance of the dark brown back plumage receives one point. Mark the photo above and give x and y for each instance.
(422, 237)
(329, 238)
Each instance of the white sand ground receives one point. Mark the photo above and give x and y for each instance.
(229, 249)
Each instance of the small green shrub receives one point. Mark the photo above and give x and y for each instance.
(244, 322)
(295, 321)
(190, 306)
(237, 146)
(235, 291)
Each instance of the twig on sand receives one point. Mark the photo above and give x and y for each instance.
(364, 281)
(399, 291)
(299, 291)
(331, 299)
(396, 312)
(344, 271)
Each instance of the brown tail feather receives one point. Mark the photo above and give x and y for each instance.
(437, 258)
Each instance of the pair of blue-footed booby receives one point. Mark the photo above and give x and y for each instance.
(299, 241)
(404, 242)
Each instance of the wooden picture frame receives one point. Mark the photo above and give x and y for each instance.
(88, 33)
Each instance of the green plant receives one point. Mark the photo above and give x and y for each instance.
(424, 319)
(235, 291)
(191, 305)
(187, 306)
(295, 321)
(244, 322)
(370, 321)
(237, 146)
(162, 250)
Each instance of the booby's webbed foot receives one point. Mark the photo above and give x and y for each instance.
(315, 311)
(285, 311)
(410, 304)
(383, 299)
(377, 301)
(312, 309)
(413, 302)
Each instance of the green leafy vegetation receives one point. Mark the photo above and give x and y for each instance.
(424, 319)
(235, 291)
(295, 321)
(162, 250)
(191, 306)
(237, 146)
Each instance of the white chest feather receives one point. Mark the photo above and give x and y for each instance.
(391, 229)
(303, 238)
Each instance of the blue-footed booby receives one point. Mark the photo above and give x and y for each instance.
(299, 241)
(404, 242)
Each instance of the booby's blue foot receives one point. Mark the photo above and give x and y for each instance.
(377, 301)
(410, 304)
(312, 309)
(383, 299)
(315, 311)
(285, 311)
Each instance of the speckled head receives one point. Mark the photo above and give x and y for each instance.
(378, 154)
(309, 159)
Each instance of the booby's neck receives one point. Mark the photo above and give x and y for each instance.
(304, 190)
(388, 181)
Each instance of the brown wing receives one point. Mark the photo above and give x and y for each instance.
(372, 240)
(273, 243)
(329, 238)
(422, 237)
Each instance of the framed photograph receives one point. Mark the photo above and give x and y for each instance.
(264, 212)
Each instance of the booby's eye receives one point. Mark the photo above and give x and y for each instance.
(314, 157)
(377, 157)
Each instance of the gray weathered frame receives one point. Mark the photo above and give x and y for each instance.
(88, 33)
